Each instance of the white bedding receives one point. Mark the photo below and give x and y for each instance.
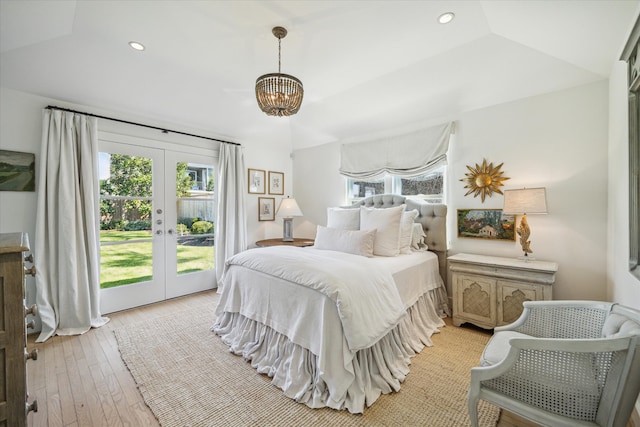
(367, 300)
(295, 334)
(414, 273)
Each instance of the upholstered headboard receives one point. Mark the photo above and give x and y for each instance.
(433, 218)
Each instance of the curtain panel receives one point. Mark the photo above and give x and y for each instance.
(67, 247)
(408, 155)
(231, 223)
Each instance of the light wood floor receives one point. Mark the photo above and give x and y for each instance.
(81, 381)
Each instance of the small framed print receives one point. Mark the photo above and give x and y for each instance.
(276, 183)
(256, 181)
(266, 209)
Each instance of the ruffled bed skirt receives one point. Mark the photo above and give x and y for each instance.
(441, 301)
(379, 369)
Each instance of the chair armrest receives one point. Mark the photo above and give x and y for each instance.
(561, 319)
(542, 345)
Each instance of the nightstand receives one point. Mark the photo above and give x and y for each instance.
(489, 291)
(277, 242)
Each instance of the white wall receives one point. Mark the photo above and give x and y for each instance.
(621, 285)
(20, 130)
(317, 186)
(558, 141)
(266, 158)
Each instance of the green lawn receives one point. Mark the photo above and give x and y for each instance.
(131, 262)
(121, 236)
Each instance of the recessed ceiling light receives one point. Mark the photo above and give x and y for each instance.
(447, 17)
(136, 45)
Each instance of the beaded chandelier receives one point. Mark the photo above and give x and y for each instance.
(279, 94)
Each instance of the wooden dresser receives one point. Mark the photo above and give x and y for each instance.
(489, 291)
(14, 404)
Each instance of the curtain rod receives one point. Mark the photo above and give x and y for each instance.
(52, 107)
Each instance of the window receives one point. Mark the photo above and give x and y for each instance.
(429, 187)
(201, 177)
(411, 165)
(631, 55)
(634, 180)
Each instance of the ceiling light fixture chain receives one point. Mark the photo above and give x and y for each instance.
(279, 94)
(279, 32)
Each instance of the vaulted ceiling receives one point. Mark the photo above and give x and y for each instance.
(366, 66)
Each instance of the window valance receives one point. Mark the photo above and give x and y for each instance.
(412, 154)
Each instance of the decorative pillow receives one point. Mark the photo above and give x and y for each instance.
(417, 238)
(350, 241)
(344, 219)
(387, 222)
(406, 230)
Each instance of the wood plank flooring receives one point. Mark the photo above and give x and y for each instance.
(81, 381)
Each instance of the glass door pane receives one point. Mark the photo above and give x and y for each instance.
(126, 203)
(131, 233)
(190, 252)
(195, 212)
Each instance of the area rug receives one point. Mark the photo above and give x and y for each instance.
(187, 377)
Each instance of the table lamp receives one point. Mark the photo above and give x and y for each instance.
(523, 202)
(287, 210)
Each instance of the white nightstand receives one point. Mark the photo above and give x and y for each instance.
(489, 291)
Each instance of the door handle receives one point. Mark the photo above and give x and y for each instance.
(159, 232)
(170, 231)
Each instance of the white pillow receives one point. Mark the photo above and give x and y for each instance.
(387, 222)
(417, 238)
(406, 230)
(350, 241)
(344, 219)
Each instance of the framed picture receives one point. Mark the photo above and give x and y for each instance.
(276, 183)
(17, 171)
(266, 209)
(256, 181)
(490, 224)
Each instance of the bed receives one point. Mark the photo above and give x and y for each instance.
(332, 328)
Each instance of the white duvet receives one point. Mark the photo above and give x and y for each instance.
(365, 294)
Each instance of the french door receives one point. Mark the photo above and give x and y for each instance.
(157, 222)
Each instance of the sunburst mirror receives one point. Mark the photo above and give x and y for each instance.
(484, 180)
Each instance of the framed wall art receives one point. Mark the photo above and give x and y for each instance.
(17, 171)
(490, 224)
(276, 183)
(266, 209)
(256, 181)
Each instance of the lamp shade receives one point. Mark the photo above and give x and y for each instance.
(525, 201)
(288, 208)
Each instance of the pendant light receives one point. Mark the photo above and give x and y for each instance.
(279, 94)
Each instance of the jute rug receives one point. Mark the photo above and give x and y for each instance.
(188, 378)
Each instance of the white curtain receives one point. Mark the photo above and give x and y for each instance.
(67, 244)
(407, 155)
(231, 224)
